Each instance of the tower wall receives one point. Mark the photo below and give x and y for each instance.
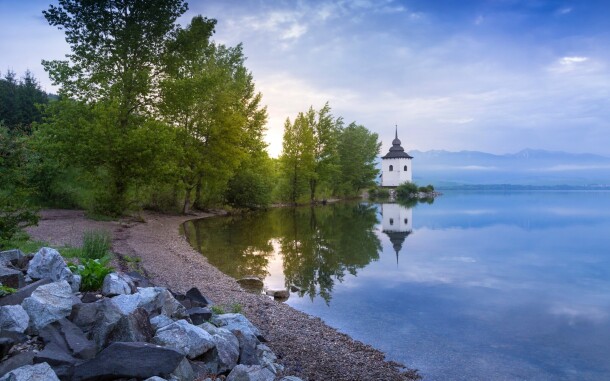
(397, 175)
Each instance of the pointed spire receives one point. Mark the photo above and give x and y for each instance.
(396, 135)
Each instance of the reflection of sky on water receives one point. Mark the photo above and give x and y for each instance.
(489, 286)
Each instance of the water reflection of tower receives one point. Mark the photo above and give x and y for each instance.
(397, 224)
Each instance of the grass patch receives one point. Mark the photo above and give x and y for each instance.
(96, 245)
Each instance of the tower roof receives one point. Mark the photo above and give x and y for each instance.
(396, 151)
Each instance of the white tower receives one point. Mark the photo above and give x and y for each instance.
(396, 165)
(397, 224)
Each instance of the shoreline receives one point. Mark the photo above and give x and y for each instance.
(304, 344)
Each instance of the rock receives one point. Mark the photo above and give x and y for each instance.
(118, 284)
(186, 338)
(138, 279)
(129, 360)
(48, 263)
(11, 277)
(279, 294)
(196, 298)
(60, 361)
(49, 303)
(114, 324)
(90, 297)
(39, 372)
(250, 373)
(268, 359)
(85, 315)
(14, 319)
(246, 333)
(22, 293)
(290, 378)
(6, 344)
(155, 378)
(160, 321)
(155, 300)
(11, 257)
(251, 283)
(225, 354)
(69, 337)
(294, 288)
(184, 371)
(17, 361)
(199, 315)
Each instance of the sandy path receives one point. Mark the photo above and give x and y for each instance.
(306, 346)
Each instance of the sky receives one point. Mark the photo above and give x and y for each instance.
(488, 75)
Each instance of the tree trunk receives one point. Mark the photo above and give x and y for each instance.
(187, 201)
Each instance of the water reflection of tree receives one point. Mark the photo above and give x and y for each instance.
(238, 246)
(320, 245)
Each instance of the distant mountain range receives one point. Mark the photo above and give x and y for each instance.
(527, 169)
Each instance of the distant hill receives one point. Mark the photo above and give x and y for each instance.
(528, 168)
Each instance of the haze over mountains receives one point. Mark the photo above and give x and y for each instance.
(528, 167)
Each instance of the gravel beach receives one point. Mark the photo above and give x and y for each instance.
(306, 346)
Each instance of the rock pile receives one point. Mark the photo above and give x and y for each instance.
(129, 330)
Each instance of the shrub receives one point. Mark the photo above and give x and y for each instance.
(15, 215)
(406, 190)
(379, 193)
(93, 272)
(96, 244)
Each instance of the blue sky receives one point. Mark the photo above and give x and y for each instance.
(494, 76)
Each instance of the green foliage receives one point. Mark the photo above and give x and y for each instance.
(20, 101)
(252, 185)
(407, 190)
(93, 272)
(96, 244)
(217, 310)
(5, 290)
(297, 158)
(358, 149)
(236, 308)
(377, 192)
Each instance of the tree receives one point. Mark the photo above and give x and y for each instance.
(20, 101)
(116, 48)
(297, 158)
(358, 148)
(326, 130)
(209, 97)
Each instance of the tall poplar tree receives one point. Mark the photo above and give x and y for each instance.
(297, 158)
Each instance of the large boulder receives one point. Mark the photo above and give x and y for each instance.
(186, 338)
(11, 257)
(85, 315)
(199, 315)
(39, 372)
(114, 324)
(49, 303)
(129, 360)
(14, 319)
(60, 361)
(22, 293)
(118, 284)
(268, 359)
(48, 263)
(17, 361)
(160, 321)
(224, 356)
(250, 373)
(247, 335)
(69, 337)
(6, 343)
(196, 298)
(11, 277)
(155, 300)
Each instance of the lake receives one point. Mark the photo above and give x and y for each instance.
(475, 286)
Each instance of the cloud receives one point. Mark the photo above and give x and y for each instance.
(564, 11)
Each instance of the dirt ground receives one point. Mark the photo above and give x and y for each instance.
(305, 345)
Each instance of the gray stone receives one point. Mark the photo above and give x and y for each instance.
(69, 337)
(85, 315)
(196, 298)
(114, 324)
(60, 360)
(138, 279)
(11, 277)
(38, 372)
(199, 315)
(290, 378)
(49, 303)
(16, 361)
(154, 300)
(22, 293)
(251, 283)
(6, 344)
(250, 373)
(11, 257)
(129, 360)
(14, 319)
(278, 294)
(118, 284)
(48, 263)
(184, 371)
(268, 359)
(155, 378)
(225, 354)
(246, 333)
(160, 321)
(186, 338)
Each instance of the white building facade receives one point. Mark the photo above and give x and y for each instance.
(396, 165)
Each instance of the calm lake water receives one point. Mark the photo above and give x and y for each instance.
(476, 286)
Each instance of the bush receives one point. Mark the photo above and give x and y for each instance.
(93, 272)
(96, 245)
(15, 214)
(406, 190)
(379, 193)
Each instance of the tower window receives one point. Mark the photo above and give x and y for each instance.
(406, 220)
(391, 221)
(405, 168)
(391, 168)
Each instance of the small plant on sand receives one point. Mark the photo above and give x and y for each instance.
(93, 272)
(236, 308)
(96, 244)
(5, 290)
(217, 310)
